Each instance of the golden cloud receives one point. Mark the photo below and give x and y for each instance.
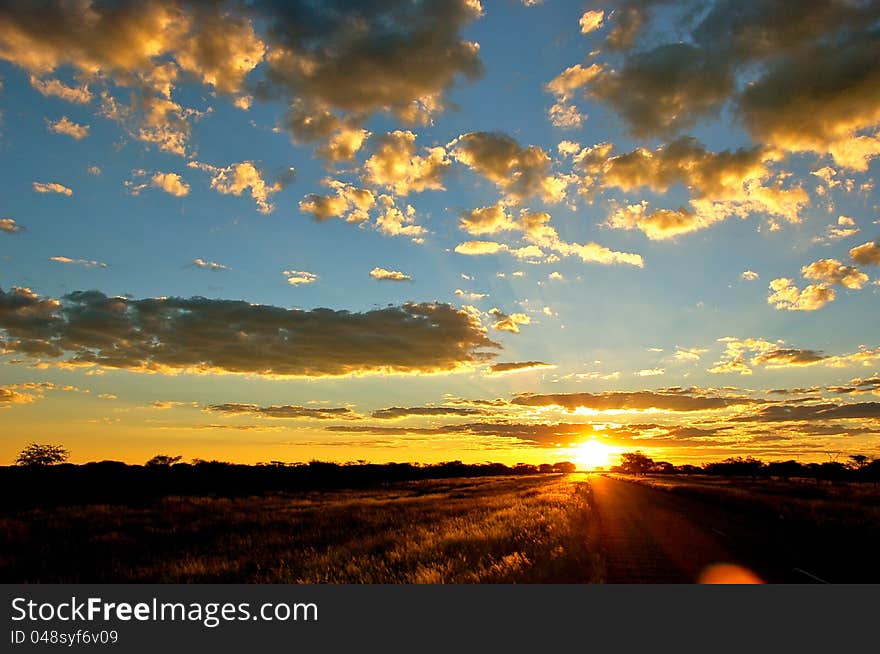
(785, 295)
(867, 254)
(350, 203)
(389, 275)
(52, 187)
(69, 128)
(396, 166)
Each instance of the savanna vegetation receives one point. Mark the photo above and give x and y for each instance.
(522, 529)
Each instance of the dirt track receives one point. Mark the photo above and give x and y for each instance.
(650, 536)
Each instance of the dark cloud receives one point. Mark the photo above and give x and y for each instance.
(286, 411)
(537, 434)
(395, 412)
(668, 400)
(667, 89)
(508, 367)
(520, 172)
(369, 56)
(813, 412)
(789, 356)
(858, 386)
(801, 76)
(201, 334)
(354, 59)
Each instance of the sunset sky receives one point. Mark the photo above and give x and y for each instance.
(395, 230)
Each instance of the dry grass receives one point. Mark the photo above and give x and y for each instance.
(487, 530)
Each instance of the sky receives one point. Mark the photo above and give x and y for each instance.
(438, 230)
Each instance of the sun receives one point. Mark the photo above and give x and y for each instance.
(592, 454)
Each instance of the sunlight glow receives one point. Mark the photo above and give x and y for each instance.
(593, 454)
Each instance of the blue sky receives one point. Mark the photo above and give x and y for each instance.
(689, 197)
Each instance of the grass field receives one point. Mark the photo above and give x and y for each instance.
(535, 529)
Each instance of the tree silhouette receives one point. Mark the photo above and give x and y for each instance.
(37, 454)
(859, 461)
(163, 460)
(636, 463)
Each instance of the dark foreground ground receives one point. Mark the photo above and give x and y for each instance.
(550, 528)
(673, 529)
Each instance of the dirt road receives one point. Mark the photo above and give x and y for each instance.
(650, 536)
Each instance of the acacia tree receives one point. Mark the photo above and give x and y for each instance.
(163, 460)
(37, 454)
(636, 463)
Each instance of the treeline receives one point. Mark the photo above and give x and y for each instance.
(857, 467)
(114, 482)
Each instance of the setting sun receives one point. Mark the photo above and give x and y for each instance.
(593, 454)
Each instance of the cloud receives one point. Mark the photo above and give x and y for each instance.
(137, 46)
(396, 166)
(721, 184)
(213, 266)
(512, 367)
(300, 277)
(164, 405)
(237, 178)
(52, 187)
(342, 138)
(57, 88)
(172, 334)
(393, 221)
(831, 271)
(487, 220)
(10, 396)
(520, 173)
(666, 89)
(352, 59)
(86, 263)
(785, 295)
(867, 254)
(844, 228)
(687, 354)
(536, 230)
(473, 297)
(508, 322)
(813, 412)
(9, 226)
(858, 386)
(664, 400)
(476, 248)
(171, 183)
(741, 355)
(535, 434)
(750, 276)
(70, 128)
(349, 203)
(802, 84)
(395, 413)
(389, 275)
(288, 411)
(650, 372)
(401, 58)
(819, 99)
(563, 113)
(590, 21)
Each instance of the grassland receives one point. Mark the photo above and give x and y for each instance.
(532, 529)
